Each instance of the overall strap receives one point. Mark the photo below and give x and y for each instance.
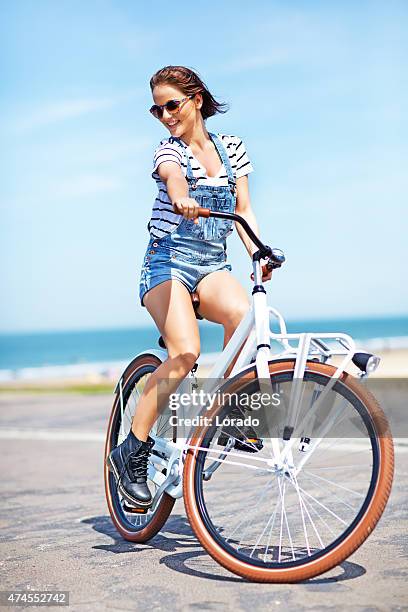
(189, 175)
(222, 152)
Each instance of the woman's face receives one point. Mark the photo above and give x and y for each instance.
(185, 119)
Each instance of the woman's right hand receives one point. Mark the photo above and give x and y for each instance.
(187, 207)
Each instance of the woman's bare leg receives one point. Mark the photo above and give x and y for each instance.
(170, 306)
(229, 308)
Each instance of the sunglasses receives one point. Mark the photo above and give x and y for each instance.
(172, 106)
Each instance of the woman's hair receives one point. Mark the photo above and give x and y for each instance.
(190, 83)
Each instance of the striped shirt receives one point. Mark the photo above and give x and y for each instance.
(163, 220)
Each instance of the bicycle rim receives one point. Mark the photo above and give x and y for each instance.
(285, 527)
(133, 526)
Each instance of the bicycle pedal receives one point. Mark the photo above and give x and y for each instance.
(248, 445)
(134, 509)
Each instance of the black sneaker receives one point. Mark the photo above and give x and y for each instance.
(240, 437)
(128, 462)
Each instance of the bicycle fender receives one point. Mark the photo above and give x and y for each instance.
(159, 353)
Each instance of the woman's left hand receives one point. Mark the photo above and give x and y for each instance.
(266, 273)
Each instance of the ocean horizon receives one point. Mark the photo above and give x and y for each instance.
(23, 354)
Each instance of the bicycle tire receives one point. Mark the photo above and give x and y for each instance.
(375, 502)
(153, 521)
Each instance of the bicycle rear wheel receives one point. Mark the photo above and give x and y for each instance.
(271, 524)
(131, 524)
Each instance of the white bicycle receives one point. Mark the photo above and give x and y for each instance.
(303, 499)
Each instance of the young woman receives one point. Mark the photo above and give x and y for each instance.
(192, 168)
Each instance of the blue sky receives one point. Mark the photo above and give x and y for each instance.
(317, 91)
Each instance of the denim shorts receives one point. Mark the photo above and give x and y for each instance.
(185, 259)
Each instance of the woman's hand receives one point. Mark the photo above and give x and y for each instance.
(187, 207)
(266, 274)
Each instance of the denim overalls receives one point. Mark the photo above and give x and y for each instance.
(192, 250)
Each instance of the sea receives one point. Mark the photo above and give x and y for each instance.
(104, 352)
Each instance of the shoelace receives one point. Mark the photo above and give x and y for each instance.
(138, 463)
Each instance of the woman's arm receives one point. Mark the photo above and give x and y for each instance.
(244, 209)
(177, 189)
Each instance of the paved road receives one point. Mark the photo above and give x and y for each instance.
(57, 533)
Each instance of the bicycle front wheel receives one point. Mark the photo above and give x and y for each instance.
(273, 522)
(132, 524)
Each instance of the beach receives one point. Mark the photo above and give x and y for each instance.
(102, 377)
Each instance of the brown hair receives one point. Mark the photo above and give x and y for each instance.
(189, 83)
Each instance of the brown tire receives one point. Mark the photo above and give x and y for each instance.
(341, 548)
(148, 525)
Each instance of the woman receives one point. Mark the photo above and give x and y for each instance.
(192, 168)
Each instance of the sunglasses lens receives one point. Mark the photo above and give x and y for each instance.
(156, 111)
(172, 105)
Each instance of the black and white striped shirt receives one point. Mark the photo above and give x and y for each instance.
(163, 220)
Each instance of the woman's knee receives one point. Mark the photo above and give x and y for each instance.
(185, 356)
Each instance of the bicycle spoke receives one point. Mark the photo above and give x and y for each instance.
(323, 506)
(284, 515)
(323, 449)
(246, 520)
(261, 536)
(278, 503)
(313, 509)
(294, 479)
(322, 488)
(331, 482)
(337, 467)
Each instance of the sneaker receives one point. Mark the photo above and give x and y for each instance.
(128, 462)
(243, 437)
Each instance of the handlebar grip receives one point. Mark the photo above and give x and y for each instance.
(202, 212)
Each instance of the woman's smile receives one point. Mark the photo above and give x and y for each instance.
(172, 124)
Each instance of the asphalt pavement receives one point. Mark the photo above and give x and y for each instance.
(56, 531)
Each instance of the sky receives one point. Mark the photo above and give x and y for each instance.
(317, 91)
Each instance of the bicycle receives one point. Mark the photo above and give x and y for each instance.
(310, 496)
